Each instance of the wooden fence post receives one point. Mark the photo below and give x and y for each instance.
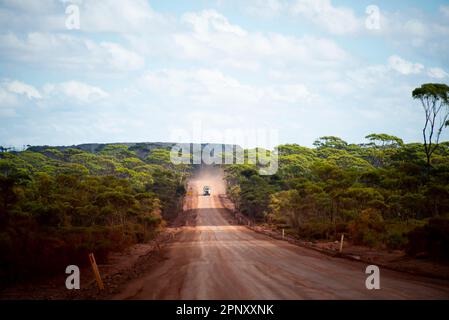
(341, 242)
(96, 271)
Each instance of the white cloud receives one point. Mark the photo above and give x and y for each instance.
(14, 94)
(289, 93)
(207, 37)
(336, 20)
(368, 76)
(120, 58)
(213, 40)
(7, 99)
(201, 87)
(437, 73)
(340, 88)
(403, 66)
(75, 91)
(413, 28)
(265, 8)
(208, 21)
(95, 16)
(207, 87)
(69, 52)
(23, 88)
(120, 16)
(423, 34)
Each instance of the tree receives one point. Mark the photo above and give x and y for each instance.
(159, 156)
(434, 98)
(381, 147)
(330, 142)
(254, 195)
(286, 204)
(382, 140)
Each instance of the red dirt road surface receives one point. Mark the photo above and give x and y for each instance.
(212, 259)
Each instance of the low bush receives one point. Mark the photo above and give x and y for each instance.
(431, 240)
(317, 230)
(396, 236)
(368, 228)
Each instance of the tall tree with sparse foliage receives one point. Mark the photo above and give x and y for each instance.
(434, 98)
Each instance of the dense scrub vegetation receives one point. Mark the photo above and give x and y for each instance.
(59, 204)
(376, 193)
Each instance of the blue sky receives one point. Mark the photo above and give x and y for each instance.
(143, 70)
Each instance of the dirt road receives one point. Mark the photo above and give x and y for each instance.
(213, 259)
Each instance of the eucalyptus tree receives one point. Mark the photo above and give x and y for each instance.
(434, 98)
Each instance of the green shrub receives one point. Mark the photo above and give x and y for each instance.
(396, 237)
(395, 240)
(316, 230)
(368, 228)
